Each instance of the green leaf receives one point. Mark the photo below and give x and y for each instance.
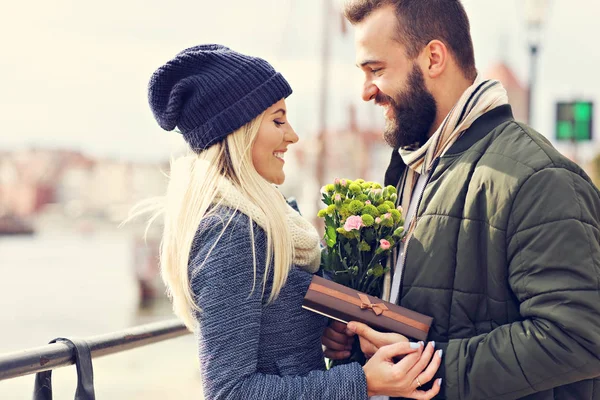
(326, 260)
(331, 236)
(329, 221)
(335, 261)
(369, 235)
(348, 248)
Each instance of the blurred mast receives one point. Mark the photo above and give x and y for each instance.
(321, 140)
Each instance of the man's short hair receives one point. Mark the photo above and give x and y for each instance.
(421, 21)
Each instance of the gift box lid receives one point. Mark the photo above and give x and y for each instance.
(345, 304)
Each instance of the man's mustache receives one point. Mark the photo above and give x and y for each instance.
(381, 98)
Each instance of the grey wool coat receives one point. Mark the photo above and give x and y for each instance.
(249, 349)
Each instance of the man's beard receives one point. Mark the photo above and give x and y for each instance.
(414, 113)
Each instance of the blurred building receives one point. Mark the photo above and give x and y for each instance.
(28, 179)
(75, 184)
(518, 93)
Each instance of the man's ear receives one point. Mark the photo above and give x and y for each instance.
(435, 58)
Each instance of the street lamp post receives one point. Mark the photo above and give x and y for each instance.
(535, 15)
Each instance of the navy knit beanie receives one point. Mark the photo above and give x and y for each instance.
(209, 91)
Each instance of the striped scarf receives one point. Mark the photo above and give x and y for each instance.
(478, 99)
(481, 97)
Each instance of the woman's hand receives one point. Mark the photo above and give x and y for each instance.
(402, 379)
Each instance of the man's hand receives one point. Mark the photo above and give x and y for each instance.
(371, 340)
(338, 341)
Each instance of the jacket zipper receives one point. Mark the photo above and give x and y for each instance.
(435, 164)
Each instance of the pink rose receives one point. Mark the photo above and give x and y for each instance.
(368, 202)
(352, 223)
(400, 209)
(385, 245)
(343, 182)
(336, 181)
(378, 220)
(388, 215)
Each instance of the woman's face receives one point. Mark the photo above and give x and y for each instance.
(274, 136)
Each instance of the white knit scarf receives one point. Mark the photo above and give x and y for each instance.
(307, 252)
(481, 97)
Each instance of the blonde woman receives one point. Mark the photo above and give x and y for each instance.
(236, 259)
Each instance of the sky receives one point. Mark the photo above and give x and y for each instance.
(74, 73)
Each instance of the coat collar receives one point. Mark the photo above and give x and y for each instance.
(477, 131)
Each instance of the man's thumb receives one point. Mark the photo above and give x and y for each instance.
(364, 331)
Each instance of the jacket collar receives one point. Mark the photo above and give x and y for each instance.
(477, 131)
(481, 127)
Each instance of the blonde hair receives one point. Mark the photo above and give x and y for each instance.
(191, 193)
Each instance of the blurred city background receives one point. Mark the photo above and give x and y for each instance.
(79, 147)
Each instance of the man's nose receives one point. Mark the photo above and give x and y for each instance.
(369, 91)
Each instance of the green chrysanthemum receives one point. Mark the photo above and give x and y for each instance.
(371, 210)
(345, 212)
(387, 222)
(342, 231)
(322, 213)
(368, 220)
(383, 208)
(356, 207)
(362, 197)
(396, 215)
(390, 205)
(355, 189)
(330, 188)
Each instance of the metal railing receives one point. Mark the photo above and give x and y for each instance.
(57, 355)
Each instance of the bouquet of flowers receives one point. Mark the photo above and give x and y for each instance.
(362, 226)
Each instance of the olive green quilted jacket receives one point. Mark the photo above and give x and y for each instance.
(506, 257)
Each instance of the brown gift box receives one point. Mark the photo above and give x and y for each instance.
(344, 304)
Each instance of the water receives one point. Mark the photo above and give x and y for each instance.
(72, 284)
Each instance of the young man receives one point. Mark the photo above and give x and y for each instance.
(502, 245)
